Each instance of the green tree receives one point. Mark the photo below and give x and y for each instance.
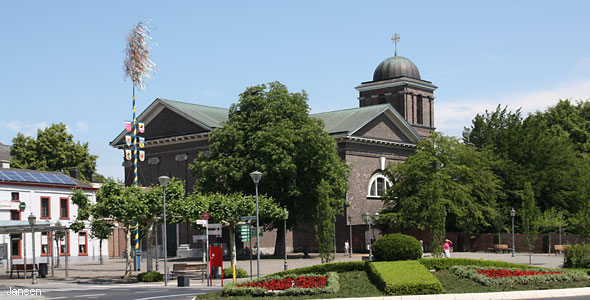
(101, 229)
(442, 185)
(53, 150)
(529, 215)
(551, 220)
(227, 210)
(270, 130)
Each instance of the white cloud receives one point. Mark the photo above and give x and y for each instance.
(82, 126)
(28, 129)
(452, 116)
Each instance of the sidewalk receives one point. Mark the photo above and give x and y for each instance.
(93, 275)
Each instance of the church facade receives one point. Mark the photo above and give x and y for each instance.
(395, 112)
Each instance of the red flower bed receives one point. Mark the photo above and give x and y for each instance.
(512, 273)
(285, 283)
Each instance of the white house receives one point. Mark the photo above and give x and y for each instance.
(46, 195)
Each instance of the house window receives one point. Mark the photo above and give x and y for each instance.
(15, 215)
(15, 245)
(420, 110)
(15, 196)
(378, 184)
(45, 243)
(45, 208)
(62, 245)
(64, 208)
(82, 243)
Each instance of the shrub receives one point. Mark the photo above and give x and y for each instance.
(403, 278)
(240, 273)
(332, 286)
(446, 263)
(338, 267)
(150, 276)
(577, 256)
(397, 246)
(511, 276)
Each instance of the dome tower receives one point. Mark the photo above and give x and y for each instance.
(397, 81)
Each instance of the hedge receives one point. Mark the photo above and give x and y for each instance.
(577, 256)
(332, 286)
(446, 263)
(338, 267)
(471, 273)
(403, 278)
(240, 273)
(150, 277)
(397, 246)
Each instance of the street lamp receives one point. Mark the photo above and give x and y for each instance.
(256, 177)
(32, 222)
(367, 218)
(350, 227)
(512, 214)
(163, 182)
(286, 217)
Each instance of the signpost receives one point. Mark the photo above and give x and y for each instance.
(246, 233)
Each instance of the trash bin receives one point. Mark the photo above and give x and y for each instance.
(184, 281)
(42, 270)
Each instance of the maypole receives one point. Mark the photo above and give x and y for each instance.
(138, 67)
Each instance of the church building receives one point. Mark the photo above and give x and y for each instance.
(395, 111)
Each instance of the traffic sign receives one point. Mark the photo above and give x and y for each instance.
(248, 218)
(22, 206)
(199, 237)
(202, 222)
(206, 215)
(214, 226)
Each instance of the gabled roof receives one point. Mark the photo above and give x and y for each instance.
(349, 121)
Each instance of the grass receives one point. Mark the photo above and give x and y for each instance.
(454, 284)
(352, 284)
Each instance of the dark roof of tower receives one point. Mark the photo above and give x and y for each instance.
(396, 66)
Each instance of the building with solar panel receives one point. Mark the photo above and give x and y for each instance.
(46, 195)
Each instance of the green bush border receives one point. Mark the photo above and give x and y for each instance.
(471, 273)
(407, 277)
(338, 267)
(447, 263)
(153, 276)
(332, 286)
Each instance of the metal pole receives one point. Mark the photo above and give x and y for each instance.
(34, 261)
(335, 250)
(50, 242)
(24, 252)
(350, 243)
(67, 250)
(257, 237)
(370, 242)
(165, 243)
(513, 244)
(156, 248)
(285, 264)
(250, 234)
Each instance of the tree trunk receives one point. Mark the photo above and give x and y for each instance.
(100, 251)
(128, 262)
(232, 244)
(150, 243)
(280, 241)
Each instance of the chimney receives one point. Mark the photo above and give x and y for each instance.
(75, 173)
(4, 164)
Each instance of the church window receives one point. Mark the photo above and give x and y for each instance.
(381, 99)
(419, 110)
(378, 184)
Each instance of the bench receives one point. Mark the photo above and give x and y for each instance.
(186, 269)
(21, 268)
(500, 248)
(559, 248)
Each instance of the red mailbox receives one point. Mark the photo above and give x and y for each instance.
(216, 260)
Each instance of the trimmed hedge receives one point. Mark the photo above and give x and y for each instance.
(403, 278)
(150, 277)
(240, 273)
(338, 267)
(397, 246)
(447, 263)
(332, 286)
(577, 256)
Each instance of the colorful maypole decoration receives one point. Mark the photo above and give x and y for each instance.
(138, 67)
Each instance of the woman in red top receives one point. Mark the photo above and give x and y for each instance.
(447, 247)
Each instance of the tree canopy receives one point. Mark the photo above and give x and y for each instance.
(270, 130)
(54, 149)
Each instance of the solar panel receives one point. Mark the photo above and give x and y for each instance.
(37, 177)
(26, 176)
(65, 179)
(41, 177)
(13, 176)
(2, 176)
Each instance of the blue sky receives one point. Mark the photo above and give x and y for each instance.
(63, 61)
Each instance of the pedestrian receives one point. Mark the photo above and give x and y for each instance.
(422, 244)
(346, 248)
(447, 248)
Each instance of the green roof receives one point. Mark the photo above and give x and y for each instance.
(210, 116)
(348, 120)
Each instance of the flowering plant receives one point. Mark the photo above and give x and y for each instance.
(288, 284)
(500, 276)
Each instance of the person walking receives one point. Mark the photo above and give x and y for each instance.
(346, 248)
(447, 248)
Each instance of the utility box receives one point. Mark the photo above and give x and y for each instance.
(184, 281)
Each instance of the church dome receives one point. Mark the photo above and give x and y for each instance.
(396, 66)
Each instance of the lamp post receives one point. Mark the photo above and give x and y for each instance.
(375, 218)
(350, 227)
(256, 178)
(32, 222)
(286, 217)
(163, 182)
(512, 214)
(367, 217)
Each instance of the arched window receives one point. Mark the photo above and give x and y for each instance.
(378, 184)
